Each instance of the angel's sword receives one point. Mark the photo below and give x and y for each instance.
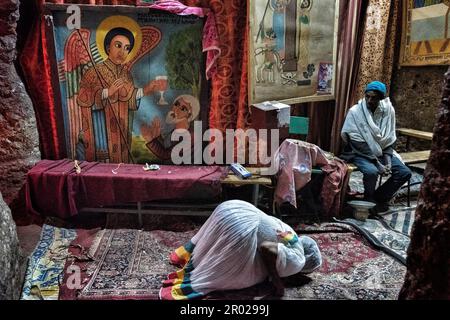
(102, 81)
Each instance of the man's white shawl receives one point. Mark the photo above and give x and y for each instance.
(360, 127)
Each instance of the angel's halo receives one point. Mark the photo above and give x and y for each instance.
(118, 22)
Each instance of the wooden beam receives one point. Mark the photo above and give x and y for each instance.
(235, 180)
(425, 135)
(415, 156)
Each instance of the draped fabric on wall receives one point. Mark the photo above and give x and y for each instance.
(228, 106)
(349, 39)
(36, 69)
(229, 102)
(378, 44)
(321, 115)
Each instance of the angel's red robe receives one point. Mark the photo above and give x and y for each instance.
(116, 109)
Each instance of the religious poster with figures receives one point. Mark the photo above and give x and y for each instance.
(293, 46)
(128, 77)
(425, 35)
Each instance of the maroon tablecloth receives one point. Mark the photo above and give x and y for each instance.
(54, 188)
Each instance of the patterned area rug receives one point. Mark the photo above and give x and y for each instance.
(382, 236)
(400, 219)
(131, 264)
(46, 264)
(351, 269)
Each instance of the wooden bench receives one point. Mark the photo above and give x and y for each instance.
(413, 158)
(424, 135)
(258, 178)
(412, 133)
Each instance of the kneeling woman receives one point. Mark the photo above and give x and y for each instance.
(238, 247)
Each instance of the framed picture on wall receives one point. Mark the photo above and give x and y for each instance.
(425, 35)
(124, 84)
(289, 42)
(325, 78)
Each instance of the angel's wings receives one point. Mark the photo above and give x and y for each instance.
(79, 56)
(151, 37)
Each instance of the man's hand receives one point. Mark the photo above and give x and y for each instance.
(149, 133)
(387, 162)
(155, 85)
(382, 170)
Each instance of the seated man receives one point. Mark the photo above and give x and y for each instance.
(369, 134)
(238, 247)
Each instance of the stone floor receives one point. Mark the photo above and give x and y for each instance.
(28, 237)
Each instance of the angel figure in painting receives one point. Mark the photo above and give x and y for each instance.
(103, 103)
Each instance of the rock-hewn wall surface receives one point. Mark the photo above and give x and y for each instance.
(19, 141)
(12, 263)
(428, 262)
(416, 93)
(19, 150)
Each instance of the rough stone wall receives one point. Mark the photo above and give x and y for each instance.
(428, 262)
(19, 149)
(12, 262)
(19, 141)
(416, 93)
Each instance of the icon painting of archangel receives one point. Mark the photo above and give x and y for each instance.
(128, 78)
(289, 41)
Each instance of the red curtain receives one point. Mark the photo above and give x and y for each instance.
(37, 72)
(228, 106)
(321, 116)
